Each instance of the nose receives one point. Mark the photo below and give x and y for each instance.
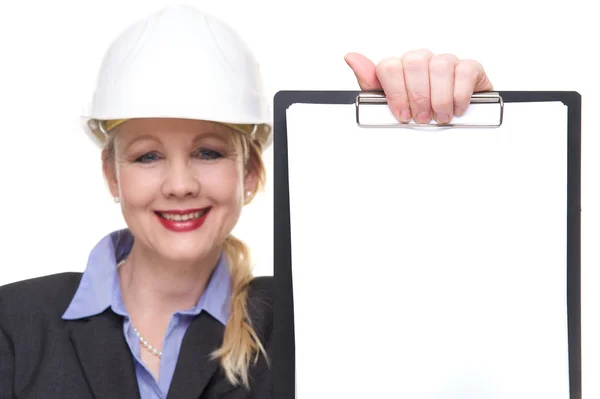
(180, 180)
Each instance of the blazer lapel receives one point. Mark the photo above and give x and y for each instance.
(194, 367)
(105, 356)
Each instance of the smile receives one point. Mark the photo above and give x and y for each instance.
(183, 221)
(179, 217)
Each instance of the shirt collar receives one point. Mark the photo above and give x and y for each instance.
(99, 288)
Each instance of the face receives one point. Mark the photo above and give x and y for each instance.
(181, 184)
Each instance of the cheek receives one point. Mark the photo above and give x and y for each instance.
(222, 184)
(139, 187)
(223, 188)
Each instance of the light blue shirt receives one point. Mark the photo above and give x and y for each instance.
(100, 289)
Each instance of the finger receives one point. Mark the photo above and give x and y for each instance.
(364, 70)
(390, 74)
(441, 78)
(416, 77)
(469, 78)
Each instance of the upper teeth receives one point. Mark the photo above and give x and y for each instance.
(178, 217)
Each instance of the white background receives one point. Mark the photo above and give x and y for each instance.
(54, 202)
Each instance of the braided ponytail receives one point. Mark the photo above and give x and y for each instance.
(241, 345)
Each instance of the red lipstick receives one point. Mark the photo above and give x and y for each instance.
(194, 219)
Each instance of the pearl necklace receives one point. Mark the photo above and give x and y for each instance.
(143, 341)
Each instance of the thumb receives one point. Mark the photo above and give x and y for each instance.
(364, 70)
(483, 84)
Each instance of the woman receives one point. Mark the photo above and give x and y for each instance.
(168, 308)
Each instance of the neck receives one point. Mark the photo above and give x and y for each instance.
(153, 286)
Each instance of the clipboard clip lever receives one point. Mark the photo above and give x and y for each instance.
(475, 117)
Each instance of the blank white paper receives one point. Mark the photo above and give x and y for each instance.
(429, 263)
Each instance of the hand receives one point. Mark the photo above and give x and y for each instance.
(421, 85)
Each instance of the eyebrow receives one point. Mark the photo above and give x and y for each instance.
(211, 134)
(140, 138)
(198, 137)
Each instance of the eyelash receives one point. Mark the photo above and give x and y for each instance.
(205, 154)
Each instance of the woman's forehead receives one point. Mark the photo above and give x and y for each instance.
(171, 128)
(149, 125)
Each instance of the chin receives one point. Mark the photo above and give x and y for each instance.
(187, 243)
(187, 250)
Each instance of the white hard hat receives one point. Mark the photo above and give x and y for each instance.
(180, 63)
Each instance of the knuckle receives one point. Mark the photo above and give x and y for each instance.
(388, 66)
(467, 69)
(421, 100)
(416, 60)
(449, 56)
(424, 53)
(441, 65)
(396, 98)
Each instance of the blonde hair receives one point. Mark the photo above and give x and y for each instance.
(241, 345)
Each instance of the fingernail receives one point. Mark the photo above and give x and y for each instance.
(442, 118)
(423, 117)
(405, 115)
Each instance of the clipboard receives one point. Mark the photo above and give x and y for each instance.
(471, 287)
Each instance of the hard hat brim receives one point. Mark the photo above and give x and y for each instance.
(92, 128)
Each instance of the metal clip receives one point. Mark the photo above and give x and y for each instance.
(378, 98)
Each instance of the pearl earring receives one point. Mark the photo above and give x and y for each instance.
(248, 193)
(116, 199)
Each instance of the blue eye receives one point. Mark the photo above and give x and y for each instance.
(147, 158)
(208, 154)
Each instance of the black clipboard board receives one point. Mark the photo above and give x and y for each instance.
(284, 365)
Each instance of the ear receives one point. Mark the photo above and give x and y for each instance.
(110, 173)
(250, 182)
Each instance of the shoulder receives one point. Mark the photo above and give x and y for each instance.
(260, 302)
(260, 294)
(262, 287)
(41, 289)
(47, 294)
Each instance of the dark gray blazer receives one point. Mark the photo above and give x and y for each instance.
(45, 357)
